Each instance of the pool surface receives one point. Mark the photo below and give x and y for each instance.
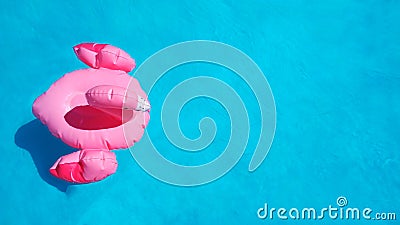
(334, 70)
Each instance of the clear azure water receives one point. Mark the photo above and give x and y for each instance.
(334, 69)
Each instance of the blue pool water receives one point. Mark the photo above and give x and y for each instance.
(334, 69)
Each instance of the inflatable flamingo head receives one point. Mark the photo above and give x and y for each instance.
(96, 110)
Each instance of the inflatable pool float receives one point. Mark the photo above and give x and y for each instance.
(95, 110)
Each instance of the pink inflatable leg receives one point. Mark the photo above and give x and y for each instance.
(104, 56)
(85, 166)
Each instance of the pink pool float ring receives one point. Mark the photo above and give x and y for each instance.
(95, 110)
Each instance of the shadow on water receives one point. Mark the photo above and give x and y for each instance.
(44, 148)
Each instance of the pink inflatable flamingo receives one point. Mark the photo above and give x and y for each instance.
(95, 110)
